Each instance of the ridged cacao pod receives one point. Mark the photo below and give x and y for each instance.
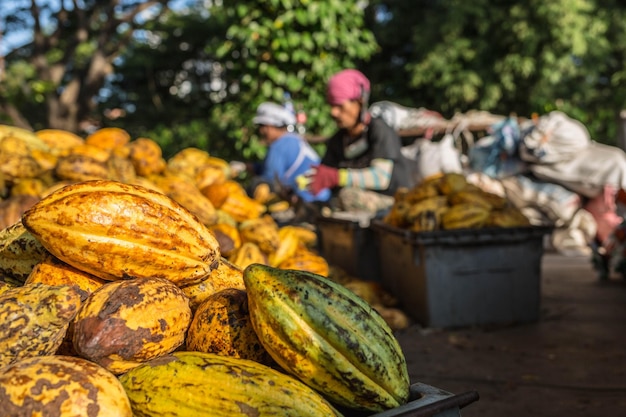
(323, 333)
(34, 320)
(305, 260)
(464, 216)
(20, 252)
(221, 325)
(115, 231)
(249, 253)
(59, 141)
(61, 386)
(81, 168)
(228, 237)
(189, 384)
(188, 162)
(53, 271)
(126, 323)
(146, 156)
(263, 231)
(226, 275)
(108, 138)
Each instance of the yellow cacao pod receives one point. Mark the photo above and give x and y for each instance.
(475, 197)
(219, 386)
(115, 231)
(126, 323)
(34, 320)
(108, 138)
(188, 162)
(20, 251)
(262, 231)
(507, 217)
(242, 208)
(322, 333)
(305, 260)
(146, 156)
(248, 253)
(121, 169)
(464, 216)
(221, 325)
(218, 192)
(288, 244)
(228, 236)
(81, 168)
(59, 141)
(53, 271)
(213, 173)
(61, 386)
(226, 275)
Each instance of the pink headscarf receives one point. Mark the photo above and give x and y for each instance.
(348, 84)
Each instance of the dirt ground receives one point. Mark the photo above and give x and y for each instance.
(571, 362)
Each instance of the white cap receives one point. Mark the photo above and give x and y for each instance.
(272, 114)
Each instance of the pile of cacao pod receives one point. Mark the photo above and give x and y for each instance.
(118, 296)
(450, 202)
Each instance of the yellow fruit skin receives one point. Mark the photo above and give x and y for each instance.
(475, 197)
(34, 320)
(121, 231)
(327, 337)
(125, 323)
(226, 275)
(52, 271)
(248, 253)
(305, 260)
(464, 216)
(287, 247)
(193, 384)
(228, 237)
(221, 325)
(61, 386)
(20, 251)
(261, 231)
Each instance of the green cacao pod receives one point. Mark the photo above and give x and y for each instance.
(199, 384)
(327, 337)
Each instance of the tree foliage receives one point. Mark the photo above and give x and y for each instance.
(54, 81)
(194, 76)
(505, 56)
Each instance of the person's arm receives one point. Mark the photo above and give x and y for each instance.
(375, 177)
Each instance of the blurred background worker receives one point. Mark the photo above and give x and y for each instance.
(288, 154)
(363, 164)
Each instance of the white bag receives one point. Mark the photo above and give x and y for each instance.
(556, 137)
(589, 171)
(557, 203)
(429, 158)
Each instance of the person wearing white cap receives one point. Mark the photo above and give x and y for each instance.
(288, 155)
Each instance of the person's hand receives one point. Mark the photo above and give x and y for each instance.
(237, 168)
(322, 177)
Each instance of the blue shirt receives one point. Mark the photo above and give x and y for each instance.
(288, 157)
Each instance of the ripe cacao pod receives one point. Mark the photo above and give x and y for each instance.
(221, 325)
(20, 251)
(61, 386)
(189, 384)
(34, 320)
(125, 323)
(226, 275)
(115, 231)
(323, 333)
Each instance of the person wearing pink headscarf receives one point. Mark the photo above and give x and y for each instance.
(363, 163)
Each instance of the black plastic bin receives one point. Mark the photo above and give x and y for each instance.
(426, 401)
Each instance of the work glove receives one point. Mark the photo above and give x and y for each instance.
(322, 177)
